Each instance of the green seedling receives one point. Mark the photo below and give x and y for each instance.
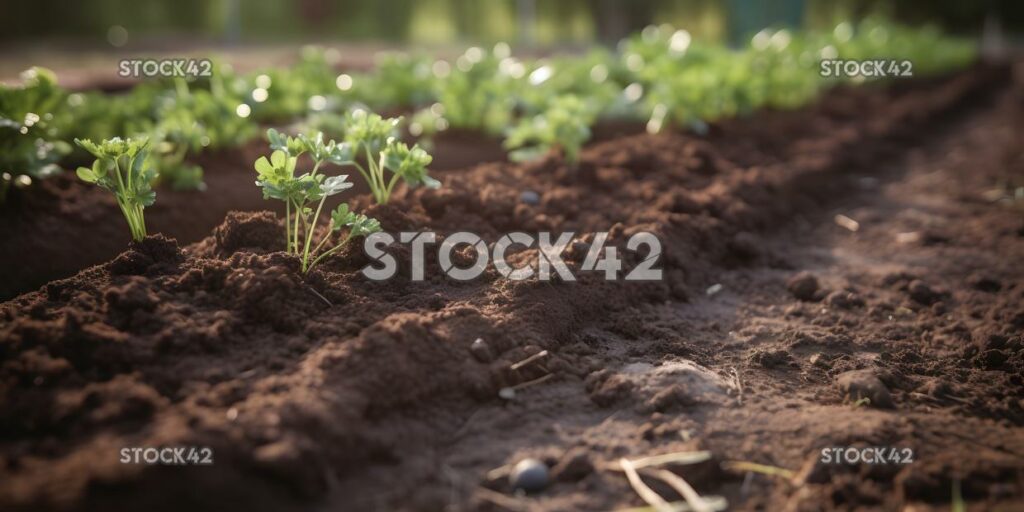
(29, 135)
(372, 137)
(121, 168)
(958, 504)
(276, 176)
(564, 127)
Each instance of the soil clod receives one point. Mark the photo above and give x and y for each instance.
(856, 385)
(803, 286)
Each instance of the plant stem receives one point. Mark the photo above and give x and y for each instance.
(377, 184)
(295, 229)
(391, 185)
(309, 235)
(287, 226)
(330, 228)
(330, 251)
(366, 175)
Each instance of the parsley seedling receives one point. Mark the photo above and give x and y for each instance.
(564, 126)
(373, 137)
(30, 144)
(276, 176)
(120, 167)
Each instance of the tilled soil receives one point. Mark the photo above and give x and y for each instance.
(772, 325)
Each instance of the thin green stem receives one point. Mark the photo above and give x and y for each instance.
(287, 226)
(391, 185)
(309, 235)
(295, 229)
(330, 228)
(366, 175)
(377, 185)
(330, 251)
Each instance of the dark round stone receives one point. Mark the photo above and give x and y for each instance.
(530, 475)
(530, 197)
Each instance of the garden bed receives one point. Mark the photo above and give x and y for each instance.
(329, 389)
(65, 225)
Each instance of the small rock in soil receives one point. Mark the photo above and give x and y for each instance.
(858, 384)
(530, 475)
(611, 390)
(530, 197)
(842, 299)
(577, 251)
(574, 466)
(821, 361)
(922, 293)
(481, 351)
(803, 286)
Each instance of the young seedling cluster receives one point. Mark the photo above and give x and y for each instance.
(30, 144)
(564, 126)
(276, 176)
(373, 138)
(121, 168)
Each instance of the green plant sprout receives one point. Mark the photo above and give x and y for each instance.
(120, 167)
(372, 137)
(30, 144)
(564, 126)
(276, 176)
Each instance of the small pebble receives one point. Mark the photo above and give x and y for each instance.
(803, 286)
(857, 384)
(846, 222)
(713, 289)
(843, 299)
(922, 293)
(481, 351)
(530, 475)
(530, 197)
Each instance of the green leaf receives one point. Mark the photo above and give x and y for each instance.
(85, 174)
(342, 154)
(341, 217)
(409, 164)
(278, 159)
(335, 185)
(263, 167)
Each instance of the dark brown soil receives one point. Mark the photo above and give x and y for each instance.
(53, 230)
(377, 399)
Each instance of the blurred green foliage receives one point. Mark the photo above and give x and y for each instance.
(481, 22)
(661, 74)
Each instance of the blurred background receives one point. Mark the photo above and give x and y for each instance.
(71, 36)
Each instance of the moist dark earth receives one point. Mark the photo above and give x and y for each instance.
(847, 274)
